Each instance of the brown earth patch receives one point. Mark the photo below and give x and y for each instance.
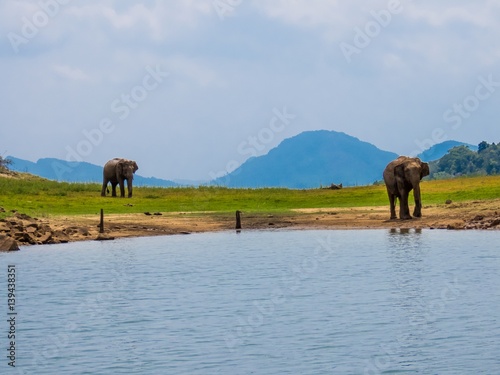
(26, 230)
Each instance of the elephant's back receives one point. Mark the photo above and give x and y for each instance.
(112, 162)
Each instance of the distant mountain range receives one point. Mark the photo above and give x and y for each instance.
(309, 160)
(312, 159)
(61, 170)
(441, 149)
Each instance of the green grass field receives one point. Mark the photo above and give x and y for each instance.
(38, 197)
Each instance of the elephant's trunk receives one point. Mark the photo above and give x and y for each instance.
(129, 186)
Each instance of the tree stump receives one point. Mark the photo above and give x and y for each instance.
(238, 220)
(101, 223)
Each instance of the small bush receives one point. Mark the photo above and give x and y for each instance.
(4, 163)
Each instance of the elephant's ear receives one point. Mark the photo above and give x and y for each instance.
(425, 170)
(135, 166)
(399, 170)
(119, 168)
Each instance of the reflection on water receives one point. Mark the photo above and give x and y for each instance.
(405, 238)
(278, 302)
(407, 253)
(407, 250)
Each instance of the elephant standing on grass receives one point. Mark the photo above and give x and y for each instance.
(117, 171)
(401, 176)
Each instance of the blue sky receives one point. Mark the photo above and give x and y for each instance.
(191, 88)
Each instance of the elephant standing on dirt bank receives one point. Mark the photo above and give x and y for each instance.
(401, 176)
(117, 171)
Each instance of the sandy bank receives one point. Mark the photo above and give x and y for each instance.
(26, 230)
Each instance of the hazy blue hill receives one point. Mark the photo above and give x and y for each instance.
(151, 181)
(55, 169)
(439, 150)
(312, 159)
(21, 165)
(61, 170)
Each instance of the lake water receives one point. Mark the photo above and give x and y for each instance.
(276, 302)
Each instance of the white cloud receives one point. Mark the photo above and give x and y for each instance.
(338, 14)
(333, 15)
(272, 53)
(194, 71)
(118, 20)
(440, 14)
(71, 73)
(161, 19)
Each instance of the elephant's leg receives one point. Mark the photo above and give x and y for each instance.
(122, 188)
(417, 212)
(404, 209)
(392, 202)
(113, 189)
(104, 187)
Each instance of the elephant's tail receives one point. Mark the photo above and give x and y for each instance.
(107, 190)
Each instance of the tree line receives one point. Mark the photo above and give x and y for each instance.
(461, 160)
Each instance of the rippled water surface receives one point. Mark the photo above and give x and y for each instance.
(278, 302)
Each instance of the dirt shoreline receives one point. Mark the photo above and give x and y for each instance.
(60, 229)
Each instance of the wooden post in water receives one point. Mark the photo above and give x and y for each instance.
(101, 236)
(101, 224)
(238, 220)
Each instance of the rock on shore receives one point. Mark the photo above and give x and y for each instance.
(22, 229)
(8, 243)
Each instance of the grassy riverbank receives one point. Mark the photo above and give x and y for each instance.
(39, 197)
